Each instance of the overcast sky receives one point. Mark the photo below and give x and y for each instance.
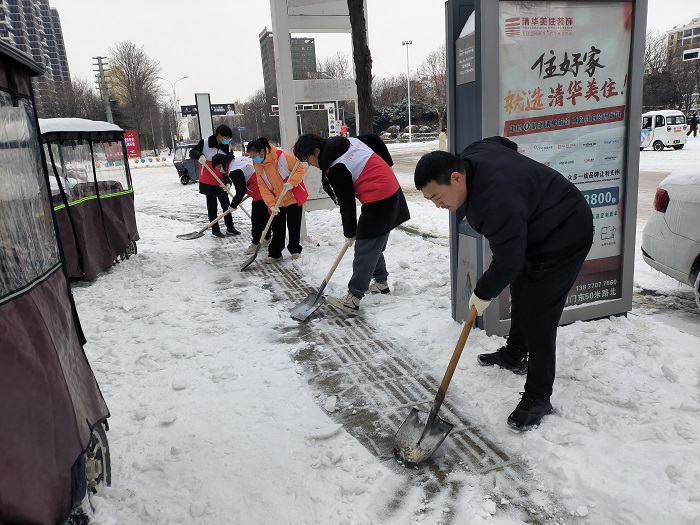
(216, 43)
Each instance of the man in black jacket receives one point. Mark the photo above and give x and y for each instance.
(540, 230)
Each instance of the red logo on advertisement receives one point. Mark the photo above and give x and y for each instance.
(513, 26)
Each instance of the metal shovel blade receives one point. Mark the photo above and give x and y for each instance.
(304, 309)
(252, 257)
(409, 449)
(190, 236)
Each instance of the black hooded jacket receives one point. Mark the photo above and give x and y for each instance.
(377, 218)
(530, 213)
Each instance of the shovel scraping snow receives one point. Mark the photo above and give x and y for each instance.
(419, 437)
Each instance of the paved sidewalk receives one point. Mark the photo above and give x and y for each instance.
(376, 385)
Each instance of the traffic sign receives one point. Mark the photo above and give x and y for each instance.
(241, 128)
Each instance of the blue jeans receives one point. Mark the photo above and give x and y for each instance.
(368, 263)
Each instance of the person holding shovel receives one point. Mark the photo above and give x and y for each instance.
(242, 170)
(204, 151)
(351, 169)
(278, 172)
(540, 230)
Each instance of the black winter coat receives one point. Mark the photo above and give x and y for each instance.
(529, 212)
(376, 218)
(196, 152)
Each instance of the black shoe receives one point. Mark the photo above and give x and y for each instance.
(232, 231)
(501, 358)
(217, 234)
(529, 412)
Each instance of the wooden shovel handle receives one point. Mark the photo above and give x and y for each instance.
(458, 351)
(346, 245)
(272, 215)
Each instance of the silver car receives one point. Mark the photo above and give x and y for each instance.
(671, 238)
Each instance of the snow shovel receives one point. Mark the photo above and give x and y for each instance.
(304, 309)
(417, 437)
(267, 227)
(200, 233)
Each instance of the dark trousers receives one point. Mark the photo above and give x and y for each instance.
(221, 197)
(368, 262)
(538, 296)
(258, 218)
(289, 218)
(693, 130)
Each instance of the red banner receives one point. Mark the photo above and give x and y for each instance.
(131, 141)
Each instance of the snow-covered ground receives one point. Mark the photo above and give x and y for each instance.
(213, 423)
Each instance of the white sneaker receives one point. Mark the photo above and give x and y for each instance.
(296, 256)
(250, 250)
(378, 287)
(272, 260)
(349, 303)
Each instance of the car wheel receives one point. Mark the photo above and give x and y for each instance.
(131, 249)
(696, 288)
(658, 146)
(184, 179)
(98, 465)
(678, 146)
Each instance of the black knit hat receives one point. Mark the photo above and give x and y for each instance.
(218, 160)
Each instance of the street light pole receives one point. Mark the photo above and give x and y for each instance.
(408, 82)
(175, 107)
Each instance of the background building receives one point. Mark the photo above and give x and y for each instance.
(34, 27)
(685, 40)
(303, 61)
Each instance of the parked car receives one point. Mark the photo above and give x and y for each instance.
(663, 129)
(187, 168)
(671, 237)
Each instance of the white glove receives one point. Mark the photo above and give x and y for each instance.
(274, 209)
(349, 241)
(228, 188)
(202, 160)
(479, 304)
(287, 186)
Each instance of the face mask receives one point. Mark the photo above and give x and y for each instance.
(225, 142)
(258, 160)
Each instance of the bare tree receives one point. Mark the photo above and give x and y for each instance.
(655, 50)
(76, 98)
(335, 66)
(363, 65)
(133, 82)
(433, 72)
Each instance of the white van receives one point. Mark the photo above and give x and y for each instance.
(666, 128)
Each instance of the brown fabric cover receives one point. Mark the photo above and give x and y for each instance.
(99, 243)
(48, 398)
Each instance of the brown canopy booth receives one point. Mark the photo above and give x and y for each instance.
(52, 414)
(92, 193)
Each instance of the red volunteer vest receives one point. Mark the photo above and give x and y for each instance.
(372, 178)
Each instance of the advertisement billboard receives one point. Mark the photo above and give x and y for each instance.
(131, 141)
(562, 94)
(217, 110)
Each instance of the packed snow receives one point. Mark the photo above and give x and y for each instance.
(213, 423)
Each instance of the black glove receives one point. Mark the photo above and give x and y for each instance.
(229, 157)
